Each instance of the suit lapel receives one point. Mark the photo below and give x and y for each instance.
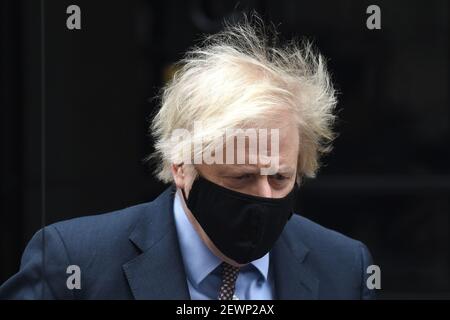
(158, 272)
(293, 278)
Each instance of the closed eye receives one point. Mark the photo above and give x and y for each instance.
(280, 177)
(243, 177)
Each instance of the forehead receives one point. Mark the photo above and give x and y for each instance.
(285, 135)
(284, 158)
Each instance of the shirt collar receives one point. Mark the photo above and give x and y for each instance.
(198, 260)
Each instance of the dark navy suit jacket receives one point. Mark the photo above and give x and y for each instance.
(134, 253)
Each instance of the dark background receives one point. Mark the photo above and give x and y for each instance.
(387, 182)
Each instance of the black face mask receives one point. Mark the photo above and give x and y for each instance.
(243, 227)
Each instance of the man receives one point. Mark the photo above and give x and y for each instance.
(240, 125)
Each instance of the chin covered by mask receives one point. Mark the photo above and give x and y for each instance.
(241, 226)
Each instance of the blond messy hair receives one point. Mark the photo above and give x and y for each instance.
(238, 77)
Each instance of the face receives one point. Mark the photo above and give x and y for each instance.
(247, 178)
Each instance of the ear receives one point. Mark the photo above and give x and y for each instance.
(179, 176)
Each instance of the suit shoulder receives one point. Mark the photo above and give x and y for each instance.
(108, 233)
(103, 237)
(115, 222)
(314, 235)
(339, 261)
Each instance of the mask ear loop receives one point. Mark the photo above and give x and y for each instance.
(295, 190)
(184, 195)
(182, 190)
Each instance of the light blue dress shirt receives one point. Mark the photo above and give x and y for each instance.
(203, 267)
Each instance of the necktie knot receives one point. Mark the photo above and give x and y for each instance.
(229, 277)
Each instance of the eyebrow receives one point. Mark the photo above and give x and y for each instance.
(255, 169)
(286, 169)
